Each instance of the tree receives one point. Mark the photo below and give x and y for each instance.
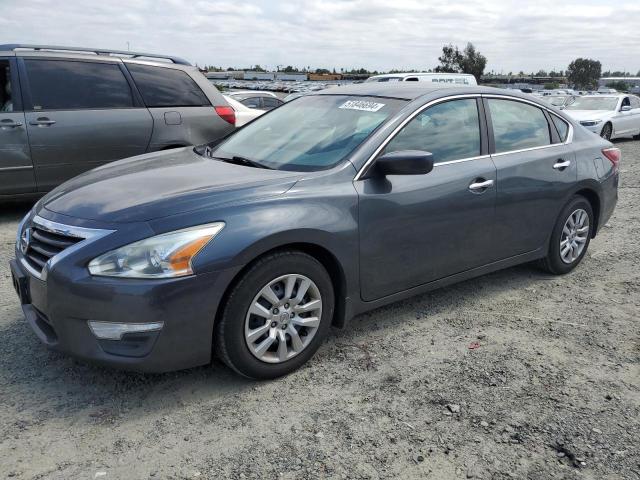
(543, 73)
(289, 69)
(584, 72)
(450, 59)
(619, 86)
(468, 61)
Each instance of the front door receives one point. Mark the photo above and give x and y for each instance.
(80, 115)
(16, 169)
(418, 228)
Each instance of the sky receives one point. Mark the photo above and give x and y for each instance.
(374, 34)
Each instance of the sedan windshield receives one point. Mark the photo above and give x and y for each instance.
(593, 103)
(311, 133)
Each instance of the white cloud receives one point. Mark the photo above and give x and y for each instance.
(376, 34)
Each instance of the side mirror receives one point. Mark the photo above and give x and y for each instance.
(625, 108)
(405, 162)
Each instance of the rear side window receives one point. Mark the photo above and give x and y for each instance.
(449, 130)
(562, 127)
(166, 87)
(518, 125)
(65, 85)
(253, 102)
(269, 102)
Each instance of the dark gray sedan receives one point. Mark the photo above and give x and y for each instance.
(331, 205)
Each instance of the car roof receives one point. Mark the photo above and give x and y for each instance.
(413, 90)
(419, 74)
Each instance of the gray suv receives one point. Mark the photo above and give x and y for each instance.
(67, 110)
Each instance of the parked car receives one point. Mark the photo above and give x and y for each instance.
(259, 100)
(610, 116)
(74, 109)
(333, 204)
(452, 79)
(559, 101)
(243, 114)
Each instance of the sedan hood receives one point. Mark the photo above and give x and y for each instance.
(589, 114)
(161, 184)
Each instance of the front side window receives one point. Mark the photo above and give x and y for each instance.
(518, 125)
(315, 132)
(449, 130)
(167, 87)
(67, 85)
(6, 101)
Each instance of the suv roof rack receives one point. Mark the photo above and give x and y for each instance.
(97, 51)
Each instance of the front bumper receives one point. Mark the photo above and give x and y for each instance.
(58, 311)
(597, 128)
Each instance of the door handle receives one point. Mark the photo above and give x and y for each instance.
(9, 124)
(481, 185)
(561, 164)
(42, 122)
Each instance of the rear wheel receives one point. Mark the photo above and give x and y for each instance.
(606, 132)
(276, 316)
(570, 238)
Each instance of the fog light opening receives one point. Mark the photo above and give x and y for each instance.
(115, 331)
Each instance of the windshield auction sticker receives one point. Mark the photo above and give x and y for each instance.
(362, 105)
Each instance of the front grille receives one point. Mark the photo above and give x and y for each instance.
(44, 244)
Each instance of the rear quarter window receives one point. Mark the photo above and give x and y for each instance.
(561, 126)
(166, 87)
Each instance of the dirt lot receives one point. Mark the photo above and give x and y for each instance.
(552, 391)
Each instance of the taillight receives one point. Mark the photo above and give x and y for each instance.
(228, 114)
(613, 154)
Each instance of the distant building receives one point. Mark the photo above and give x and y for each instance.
(291, 77)
(632, 82)
(326, 77)
(258, 76)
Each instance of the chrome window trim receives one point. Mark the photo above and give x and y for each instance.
(85, 235)
(20, 167)
(401, 126)
(395, 131)
(551, 112)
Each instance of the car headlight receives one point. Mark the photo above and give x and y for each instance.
(20, 228)
(590, 123)
(163, 256)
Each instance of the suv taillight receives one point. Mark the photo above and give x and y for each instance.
(613, 155)
(228, 114)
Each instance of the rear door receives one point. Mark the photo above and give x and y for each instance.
(182, 113)
(80, 115)
(16, 169)
(415, 229)
(536, 169)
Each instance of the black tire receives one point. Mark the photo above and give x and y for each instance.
(607, 131)
(229, 332)
(553, 262)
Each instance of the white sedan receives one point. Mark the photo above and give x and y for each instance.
(610, 116)
(243, 114)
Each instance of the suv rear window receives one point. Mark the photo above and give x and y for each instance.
(68, 85)
(166, 87)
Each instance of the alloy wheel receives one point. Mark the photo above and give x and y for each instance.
(606, 131)
(283, 318)
(574, 236)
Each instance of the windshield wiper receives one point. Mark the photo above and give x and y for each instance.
(237, 160)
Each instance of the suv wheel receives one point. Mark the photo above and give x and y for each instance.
(570, 238)
(276, 316)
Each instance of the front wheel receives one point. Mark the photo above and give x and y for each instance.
(570, 238)
(606, 132)
(276, 315)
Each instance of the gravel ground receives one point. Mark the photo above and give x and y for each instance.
(552, 389)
